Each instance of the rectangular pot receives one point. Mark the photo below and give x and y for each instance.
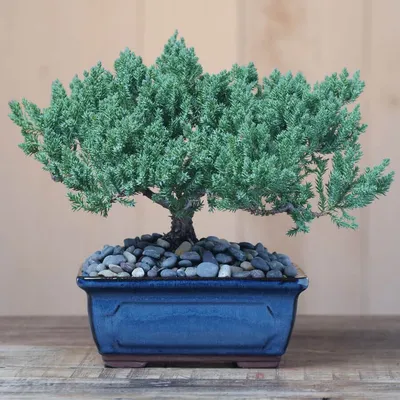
(248, 321)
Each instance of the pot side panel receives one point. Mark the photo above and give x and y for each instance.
(196, 322)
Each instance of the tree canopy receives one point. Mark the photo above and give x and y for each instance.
(178, 135)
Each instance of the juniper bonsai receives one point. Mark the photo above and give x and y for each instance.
(177, 135)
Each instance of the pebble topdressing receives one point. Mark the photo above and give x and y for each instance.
(211, 257)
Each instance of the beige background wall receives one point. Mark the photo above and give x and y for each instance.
(42, 241)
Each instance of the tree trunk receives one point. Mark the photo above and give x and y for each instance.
(181, 230)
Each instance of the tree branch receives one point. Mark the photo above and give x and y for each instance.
(189, 203)
(149, 194)
(288, 208)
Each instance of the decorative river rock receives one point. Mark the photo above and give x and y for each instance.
(151, 256)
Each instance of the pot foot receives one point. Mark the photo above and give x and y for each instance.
(124, 364)
(141, 361)
(259, 364)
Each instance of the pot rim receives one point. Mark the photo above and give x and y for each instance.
(300, 276)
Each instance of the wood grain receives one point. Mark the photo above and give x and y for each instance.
(328, 357)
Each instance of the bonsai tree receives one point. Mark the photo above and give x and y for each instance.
(177, 135)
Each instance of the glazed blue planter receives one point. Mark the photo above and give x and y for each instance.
(247, 321)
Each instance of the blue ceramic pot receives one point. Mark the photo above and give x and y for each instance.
(248, 321)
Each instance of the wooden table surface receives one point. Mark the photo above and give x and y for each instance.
(328, 358)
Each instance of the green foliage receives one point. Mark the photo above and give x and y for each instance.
(175, 134)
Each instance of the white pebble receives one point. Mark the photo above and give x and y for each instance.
(138, 273)
(224, 271)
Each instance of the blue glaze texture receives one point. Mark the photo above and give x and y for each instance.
(192, 317)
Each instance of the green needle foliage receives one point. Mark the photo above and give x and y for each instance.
(177, 135)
